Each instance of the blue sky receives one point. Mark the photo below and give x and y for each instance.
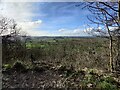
(48, 18)
(61, 18)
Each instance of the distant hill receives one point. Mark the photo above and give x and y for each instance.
(62, 37)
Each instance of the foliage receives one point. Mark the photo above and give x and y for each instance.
(82, 51)
(109, 79)
(19, 66)
(6, 66)
(38, 68)
(69, 58)
(65, 70)
(106, 86)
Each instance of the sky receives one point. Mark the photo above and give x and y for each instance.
(48, 18)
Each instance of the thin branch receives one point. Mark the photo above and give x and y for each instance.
(101, 9)
(109, 6)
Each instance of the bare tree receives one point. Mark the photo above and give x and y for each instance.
(8, 27)
(11, 39)
(106, 15)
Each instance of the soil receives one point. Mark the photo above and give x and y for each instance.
(31, 79)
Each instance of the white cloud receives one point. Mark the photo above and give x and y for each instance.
(77, 31)
(42, 0)
(85, 32)
(29, 24)
(22, 13)
(17, 11)
(31, 28)
(97, 31)
(88, 30)
(38, 33)
(113, 28)
(58, 0)
(72, 32)
(61, 30)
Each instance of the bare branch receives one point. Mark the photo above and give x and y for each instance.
(109, 6)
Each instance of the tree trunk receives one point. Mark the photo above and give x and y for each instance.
(111, 54)
(118, 53)
(118, 42)
(0, 62)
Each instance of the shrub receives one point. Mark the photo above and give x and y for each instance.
(92, 71)
(106, 86)
(19, 66)
(109, 79)
(66, 71)
(39, 68)
(61, 68)
(6, 67)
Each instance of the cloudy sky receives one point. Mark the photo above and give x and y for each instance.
(47, 18)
